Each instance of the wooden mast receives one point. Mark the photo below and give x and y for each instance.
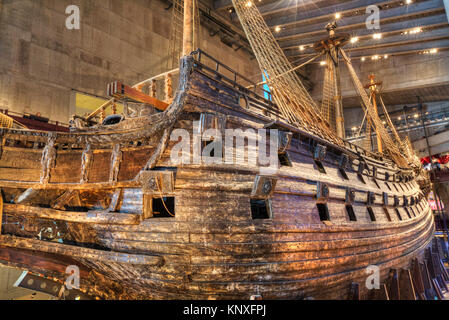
(187, 41)
(372, 86)
(332, 94)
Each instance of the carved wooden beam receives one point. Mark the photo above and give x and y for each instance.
(393, 285)
(86, 161)
(379, 294)
(48, 159)
(116, 160)
(26, 196)
(120, 91)
(116, 200)
(407, 289)
(42, 262)
(80, 252)
(418, 282)
(59, 203)
(96, 217)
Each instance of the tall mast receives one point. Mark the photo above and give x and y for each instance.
(372, 86)
(187, 41)
(332, 106)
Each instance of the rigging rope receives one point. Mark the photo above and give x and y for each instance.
(391, 147)
(162, 198)
(293, 100)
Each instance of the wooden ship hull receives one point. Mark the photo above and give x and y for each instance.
(86, 198)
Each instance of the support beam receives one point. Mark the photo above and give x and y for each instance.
(187, 40)
(446, 6)
(271, 8)
(77, 252)
(321, 13)
(393, 50)
(391, 28)
(351, 23)
(407, 290)
(440, 33)
(120, 91)
(95, 217)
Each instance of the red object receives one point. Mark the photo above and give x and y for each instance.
(425, 161)
(40, 125)
(444, 159)
(440, 160)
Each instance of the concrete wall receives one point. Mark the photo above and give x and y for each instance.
(8, 276)
(41, 61)
(397, 73)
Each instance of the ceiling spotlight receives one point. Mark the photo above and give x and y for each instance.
(249, 4)
(337, 16)
(415, 30)
(323, 63)
(302, 48)
(363, 59)
(354, 39)
(386, 56)
(408, 1)
(277, 29)
(433, 51)
(377, 35)
(384, 122)
(375, 57)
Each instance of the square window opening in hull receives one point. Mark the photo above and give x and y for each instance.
(260, 209)
(284, 160)
(164, 207)
(323, 211)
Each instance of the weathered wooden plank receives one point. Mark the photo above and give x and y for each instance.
(79, 252)
(94, 217)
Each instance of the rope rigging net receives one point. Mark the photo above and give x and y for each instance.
(177, 32)
(294, 101)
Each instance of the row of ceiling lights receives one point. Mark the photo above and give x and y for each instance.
(415, 116)
(337, 15)
(386, 56)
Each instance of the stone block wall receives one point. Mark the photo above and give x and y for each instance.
(42, 62)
